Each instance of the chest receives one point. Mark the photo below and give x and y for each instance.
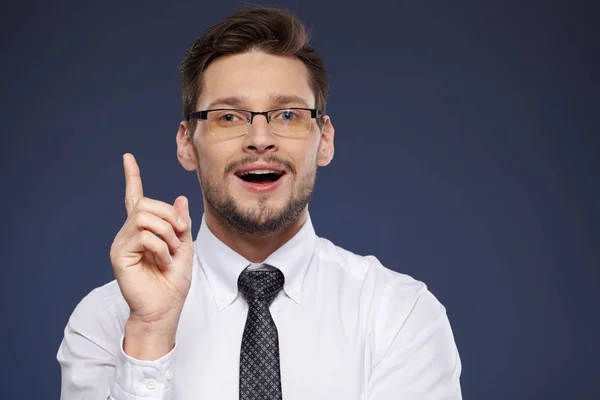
(320, 345)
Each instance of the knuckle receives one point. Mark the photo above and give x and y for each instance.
(140, 217)
(142, 203)
(147, 236)
(163, 228)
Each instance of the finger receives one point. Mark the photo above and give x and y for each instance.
(145, 221)
(182, 206)
(133, 182)
(162, 210)
(146, 241)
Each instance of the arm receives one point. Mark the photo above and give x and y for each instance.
(94, 365)
(420, 359)
(152, 257)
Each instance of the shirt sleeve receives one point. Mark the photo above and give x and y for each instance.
(94, 365)
(418, 358)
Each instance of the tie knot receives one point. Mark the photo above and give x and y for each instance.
(261, 285)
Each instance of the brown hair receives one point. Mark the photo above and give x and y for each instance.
(271, 30)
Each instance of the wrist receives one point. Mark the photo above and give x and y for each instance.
(148, 341)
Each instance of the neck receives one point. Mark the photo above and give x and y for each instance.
(255, 248)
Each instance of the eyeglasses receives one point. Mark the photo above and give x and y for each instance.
(234, 122)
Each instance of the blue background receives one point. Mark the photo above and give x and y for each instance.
(466, 156)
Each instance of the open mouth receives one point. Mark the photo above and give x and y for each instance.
(260, 176)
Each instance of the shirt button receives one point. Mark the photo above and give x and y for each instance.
(295, 292)
(223, 299)
(168, 375)
(150, 384)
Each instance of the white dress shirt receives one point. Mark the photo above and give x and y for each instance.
(348, 327)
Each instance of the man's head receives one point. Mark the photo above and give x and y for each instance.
(258, 59)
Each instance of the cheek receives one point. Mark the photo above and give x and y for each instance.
(310, 157)
(304, 156)
(305, 166)
(213, 158)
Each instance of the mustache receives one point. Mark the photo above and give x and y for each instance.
(271, 159)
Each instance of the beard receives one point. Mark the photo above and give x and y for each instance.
(263, 218)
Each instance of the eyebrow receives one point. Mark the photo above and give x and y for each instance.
(274, 98)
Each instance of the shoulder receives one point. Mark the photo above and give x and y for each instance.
(371, 271)
(399, 307)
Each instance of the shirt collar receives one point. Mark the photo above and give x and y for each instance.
(222, 265)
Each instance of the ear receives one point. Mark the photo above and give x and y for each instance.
(185, 148)
(326, 149)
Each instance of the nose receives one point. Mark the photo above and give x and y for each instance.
(259, 138)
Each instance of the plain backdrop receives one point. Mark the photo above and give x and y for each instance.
(466, 156)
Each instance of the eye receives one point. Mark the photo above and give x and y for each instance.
(228, 118)
(286, 115)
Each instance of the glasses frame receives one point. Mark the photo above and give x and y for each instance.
(203, 114)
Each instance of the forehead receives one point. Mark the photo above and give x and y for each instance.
(255, 77)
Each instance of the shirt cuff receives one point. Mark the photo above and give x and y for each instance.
(144, 379)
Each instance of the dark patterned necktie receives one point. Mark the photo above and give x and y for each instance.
(260, 377)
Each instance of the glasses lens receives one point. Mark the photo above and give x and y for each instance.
(290, 121)
(227, 122)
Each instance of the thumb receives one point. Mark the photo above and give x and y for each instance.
(182, 206)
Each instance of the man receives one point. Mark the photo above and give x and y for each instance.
(258, 306)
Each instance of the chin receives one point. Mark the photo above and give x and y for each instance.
(257, 213)
(261, 209)
(259, 219)
(247, 200)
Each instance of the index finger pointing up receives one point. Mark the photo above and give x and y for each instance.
(133, 182)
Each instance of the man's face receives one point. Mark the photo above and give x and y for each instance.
(257, 203)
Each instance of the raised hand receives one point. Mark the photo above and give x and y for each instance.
(153, 272)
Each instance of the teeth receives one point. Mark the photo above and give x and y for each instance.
(259, 172)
